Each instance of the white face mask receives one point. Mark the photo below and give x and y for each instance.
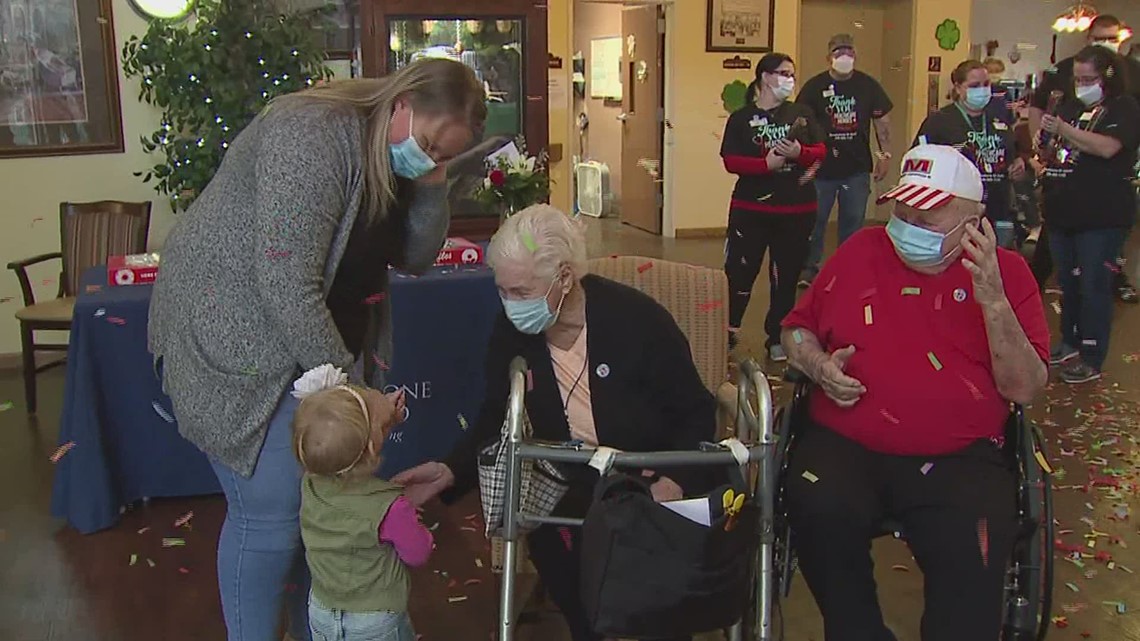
(1090, 95)
(843, 64)
(784, 88)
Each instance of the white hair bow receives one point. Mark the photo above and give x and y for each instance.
(321, 377)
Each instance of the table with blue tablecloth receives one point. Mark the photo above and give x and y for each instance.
(126, 442)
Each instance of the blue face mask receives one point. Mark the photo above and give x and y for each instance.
(978, 97)
(408, 159)
(532, 315)
(917, 246)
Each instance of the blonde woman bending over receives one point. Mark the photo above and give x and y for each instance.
(271, 272)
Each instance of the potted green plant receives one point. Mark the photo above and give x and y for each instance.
(211, 76)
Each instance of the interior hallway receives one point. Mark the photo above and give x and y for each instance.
(60, 586)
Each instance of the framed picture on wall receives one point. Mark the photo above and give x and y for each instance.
(740, 26)
(59, 79)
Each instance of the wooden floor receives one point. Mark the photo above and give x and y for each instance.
(58, 585)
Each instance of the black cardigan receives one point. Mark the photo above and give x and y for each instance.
(650, 398)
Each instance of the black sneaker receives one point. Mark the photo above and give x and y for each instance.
(1079, 373)
(1062, 353)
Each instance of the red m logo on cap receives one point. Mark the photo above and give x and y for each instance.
(919, 166)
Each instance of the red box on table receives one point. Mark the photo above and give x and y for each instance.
(136, 269)
(459, 251)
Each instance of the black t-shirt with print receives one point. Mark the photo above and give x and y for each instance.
(751, 132)
(845, 109)
(987, 139)
(1084, 191)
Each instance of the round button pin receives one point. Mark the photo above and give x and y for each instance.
(603, 370)
(959, 295)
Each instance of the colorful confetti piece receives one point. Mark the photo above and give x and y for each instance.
(926, 467)
(143, 530)
(934, 362)
(115, 320)
(150, 563)
(183, 571)
(456, 599)
(644, 267)
(830, 284)
(1073, 587)
(173, 542)
(868, 317)
(184, 519)
(890, 417)
(161, 411)
(899, 567)
(274, 253)
(462, 422)
(938, 302)
(6, 405)
(811, 478)
(710, 305)
(384, 367)
(797, 336)
(911, 291)
(61, 451)
(528, 242)
(134, 559)
(375, 298)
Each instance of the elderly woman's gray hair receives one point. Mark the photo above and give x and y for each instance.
(544, 234)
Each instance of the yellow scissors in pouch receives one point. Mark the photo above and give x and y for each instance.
(733, 504)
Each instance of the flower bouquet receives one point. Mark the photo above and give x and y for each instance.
(515, 180)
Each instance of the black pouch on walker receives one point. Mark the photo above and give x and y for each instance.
(649, 572)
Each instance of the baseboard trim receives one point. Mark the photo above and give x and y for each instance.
(701, 232)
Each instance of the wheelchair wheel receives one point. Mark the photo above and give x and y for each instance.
(1029, 588)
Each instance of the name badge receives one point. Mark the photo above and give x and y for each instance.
(1086, 116)
(829, 92)
(1000, 126)
(755, 122)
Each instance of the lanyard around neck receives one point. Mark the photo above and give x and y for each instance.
(970, 124)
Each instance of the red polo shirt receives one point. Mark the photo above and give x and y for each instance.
(920, 347)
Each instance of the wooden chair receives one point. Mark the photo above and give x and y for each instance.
(89, 233)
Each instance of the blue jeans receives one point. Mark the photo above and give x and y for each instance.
(329, 624)
(852, 193)
(259, 551)
(1085, 272)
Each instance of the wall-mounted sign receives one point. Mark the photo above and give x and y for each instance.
(934, 64)
(736, 62)
(553, 61)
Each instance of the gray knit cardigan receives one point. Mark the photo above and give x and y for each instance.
(239, 305)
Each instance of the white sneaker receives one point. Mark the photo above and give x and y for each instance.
(776, 354)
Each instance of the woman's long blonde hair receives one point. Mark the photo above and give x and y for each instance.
(434, 86)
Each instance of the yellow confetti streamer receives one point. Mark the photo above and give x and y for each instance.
(1037, 454)
(934, 361)
(134, 559)
(911, 291)
(462, 422)
(868, 319)
(812, 478)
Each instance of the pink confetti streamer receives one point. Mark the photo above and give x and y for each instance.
(375, 298)
(115, 320)
(566, 539)
(926, 467)
(974, 391)
(984, 540)
(867, 293)
(61, 451)
(184, 519)
(644, 267)
(938, 303)
(384, 367)
(830, 284)
(709, 306)
(890, 418)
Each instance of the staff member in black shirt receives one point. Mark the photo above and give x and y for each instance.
(770, 144)
(981, 127)
(1105, 31)
(845, 102)
(1090, 204)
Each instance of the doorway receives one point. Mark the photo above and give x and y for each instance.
(621, 105)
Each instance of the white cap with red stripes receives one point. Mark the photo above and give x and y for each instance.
(933, 175)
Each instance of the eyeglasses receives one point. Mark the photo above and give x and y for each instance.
(785, 73)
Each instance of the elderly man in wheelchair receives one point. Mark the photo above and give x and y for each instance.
(917, 339)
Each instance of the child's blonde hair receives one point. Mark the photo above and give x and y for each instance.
(332, 432)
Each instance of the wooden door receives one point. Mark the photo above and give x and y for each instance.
(643, 118)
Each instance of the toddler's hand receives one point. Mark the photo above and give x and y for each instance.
(400, 402)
